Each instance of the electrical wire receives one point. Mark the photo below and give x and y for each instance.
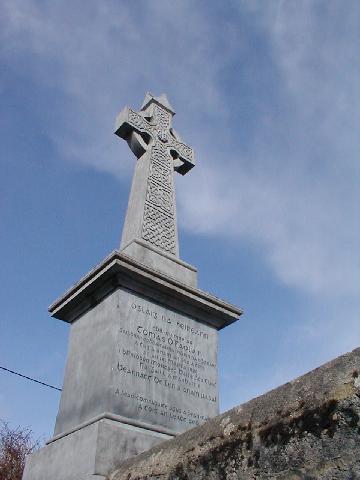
(29, 378)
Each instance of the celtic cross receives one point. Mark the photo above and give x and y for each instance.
(151, 214)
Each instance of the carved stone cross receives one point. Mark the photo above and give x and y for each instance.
(151, 215)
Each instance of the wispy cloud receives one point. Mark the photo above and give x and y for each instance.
(291, 186)
(98, 57)
(303, 212)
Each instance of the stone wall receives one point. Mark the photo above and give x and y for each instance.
(306, 429)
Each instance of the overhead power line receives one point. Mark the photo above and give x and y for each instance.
(29, 378)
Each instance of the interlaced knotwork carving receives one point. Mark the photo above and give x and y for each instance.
(160, 196)
(159, 214)
(163, 118)
(139, 122)
(160, 174)
(183, 149)
(161, 167)
(159, 229)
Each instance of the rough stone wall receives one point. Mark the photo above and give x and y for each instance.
(306, 429)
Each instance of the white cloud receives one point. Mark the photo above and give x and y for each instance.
(298, 200)
(106, 54)
(303, 213)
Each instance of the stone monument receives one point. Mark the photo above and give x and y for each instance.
(142, 359)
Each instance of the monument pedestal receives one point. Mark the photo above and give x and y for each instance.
(90, 451)
(141, 367)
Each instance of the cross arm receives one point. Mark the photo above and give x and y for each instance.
(133, 128)
(183, 155)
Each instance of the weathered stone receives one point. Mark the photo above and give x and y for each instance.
(138, 360)
(306, 429)
(90, 450)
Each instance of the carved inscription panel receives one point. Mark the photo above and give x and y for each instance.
(164, 370)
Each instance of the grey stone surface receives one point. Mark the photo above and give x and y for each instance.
(307, 429)
(162, 262)
(94, 450)
(138, 359)
(120, 270)
(92, 477)
(151, 213)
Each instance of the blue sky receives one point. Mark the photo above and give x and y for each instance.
(267, 94)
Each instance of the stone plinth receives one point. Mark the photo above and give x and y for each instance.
(91, 450)
(141, 367)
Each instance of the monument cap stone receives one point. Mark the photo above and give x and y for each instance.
(161, 100)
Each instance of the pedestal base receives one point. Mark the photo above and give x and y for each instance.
(161, 261)
(142, 367)
(91, 452)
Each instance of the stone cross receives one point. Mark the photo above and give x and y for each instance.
(151, 215)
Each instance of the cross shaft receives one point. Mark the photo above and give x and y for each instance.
(151, 215)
